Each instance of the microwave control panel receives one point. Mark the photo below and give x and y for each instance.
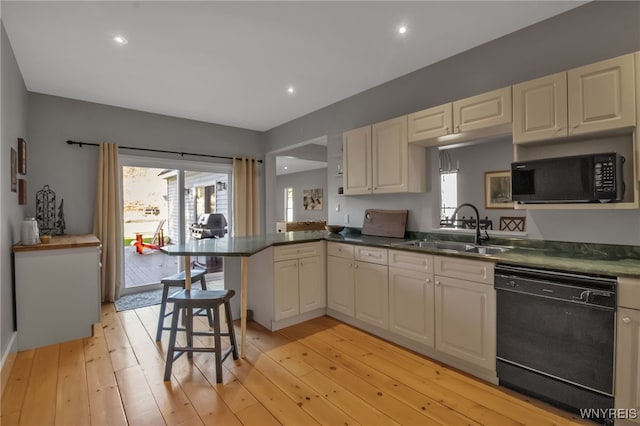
(606, 169)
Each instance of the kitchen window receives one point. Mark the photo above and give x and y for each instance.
(448, 193)
(288, 204)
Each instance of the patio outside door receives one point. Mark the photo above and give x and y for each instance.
(162, 199)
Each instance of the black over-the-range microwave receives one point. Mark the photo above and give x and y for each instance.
(576, 179)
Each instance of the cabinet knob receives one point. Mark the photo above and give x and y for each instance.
(427, 280)
(626, 320)
(438, 283)
(446, 130)
(458, 128)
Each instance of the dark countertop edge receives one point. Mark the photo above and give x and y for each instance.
(538, 258)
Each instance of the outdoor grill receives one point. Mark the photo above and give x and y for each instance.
(209, 225)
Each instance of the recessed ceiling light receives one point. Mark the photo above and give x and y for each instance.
(291, 90)
(402, 29)
(120, 40)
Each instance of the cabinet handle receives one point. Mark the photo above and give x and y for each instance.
(626, 320)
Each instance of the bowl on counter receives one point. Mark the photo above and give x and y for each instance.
(334, 229)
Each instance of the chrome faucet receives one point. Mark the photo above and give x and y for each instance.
(479, 238)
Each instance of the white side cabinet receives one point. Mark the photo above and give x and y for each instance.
(627, 393)
(371, 284)
(57, 290)
(411, 296)
(465, 310)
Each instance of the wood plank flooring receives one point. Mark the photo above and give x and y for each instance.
(318, 372)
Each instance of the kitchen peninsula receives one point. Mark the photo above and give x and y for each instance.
(617, 261)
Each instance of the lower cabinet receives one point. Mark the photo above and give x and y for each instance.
(299, 283)
(372, 294)
(411, 297)
(340, 285)
(627, 393)
(466, 320)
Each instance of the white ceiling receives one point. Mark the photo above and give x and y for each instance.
(231, 62)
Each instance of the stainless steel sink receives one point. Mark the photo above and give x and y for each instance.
(457, 246)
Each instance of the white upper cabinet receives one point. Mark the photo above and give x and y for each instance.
(390, 155)
(602, 96)
(356, 151)
(378, 159)
(593, 98)
(431, 123)
(540, 109)
(491, 110)
(482, 111)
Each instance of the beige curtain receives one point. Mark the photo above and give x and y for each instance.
(246, 201)
(107, 225)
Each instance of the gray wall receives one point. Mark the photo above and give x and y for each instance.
(71, 171)
(299, 182)
(593, 32)
(14, 126)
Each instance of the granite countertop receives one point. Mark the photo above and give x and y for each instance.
(61, 242)
(576, 257)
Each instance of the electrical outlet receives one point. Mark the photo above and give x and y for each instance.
(346, 219)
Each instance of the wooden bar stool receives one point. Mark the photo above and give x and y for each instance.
(178, 280)
(188, 300)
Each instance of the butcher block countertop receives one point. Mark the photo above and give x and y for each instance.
(61, 242)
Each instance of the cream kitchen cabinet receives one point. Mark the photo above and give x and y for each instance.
(299, 279)
(358, 283)
(378, 159)
(627, 393)
(540, 109)
(602, 96)
(411, 296)
(371, 284)
(491, 110)
(592, 98)
(465, 310)
(357, 166)
(340, 278)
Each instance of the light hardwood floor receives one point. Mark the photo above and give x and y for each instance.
(318, 372)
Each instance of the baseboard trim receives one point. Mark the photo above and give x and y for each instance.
(7, 361)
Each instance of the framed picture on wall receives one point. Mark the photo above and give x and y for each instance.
(497, 190)
(312, 199)
(14, 170)
(22, 191)
(22, 156)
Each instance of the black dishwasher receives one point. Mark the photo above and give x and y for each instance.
(556, 335)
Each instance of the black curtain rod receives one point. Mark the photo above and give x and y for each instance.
(182, 154)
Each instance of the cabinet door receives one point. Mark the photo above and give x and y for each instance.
(340, 285)
(372, 294)
(390, 156)
(312, 286)
(628, 361)
(356, 149)
(540, 109)
(411, 305)
(466, 321)
(602, 96)
(286, 289)
(430, 123)
(481, 111)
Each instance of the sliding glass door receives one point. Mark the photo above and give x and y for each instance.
(163, 202)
